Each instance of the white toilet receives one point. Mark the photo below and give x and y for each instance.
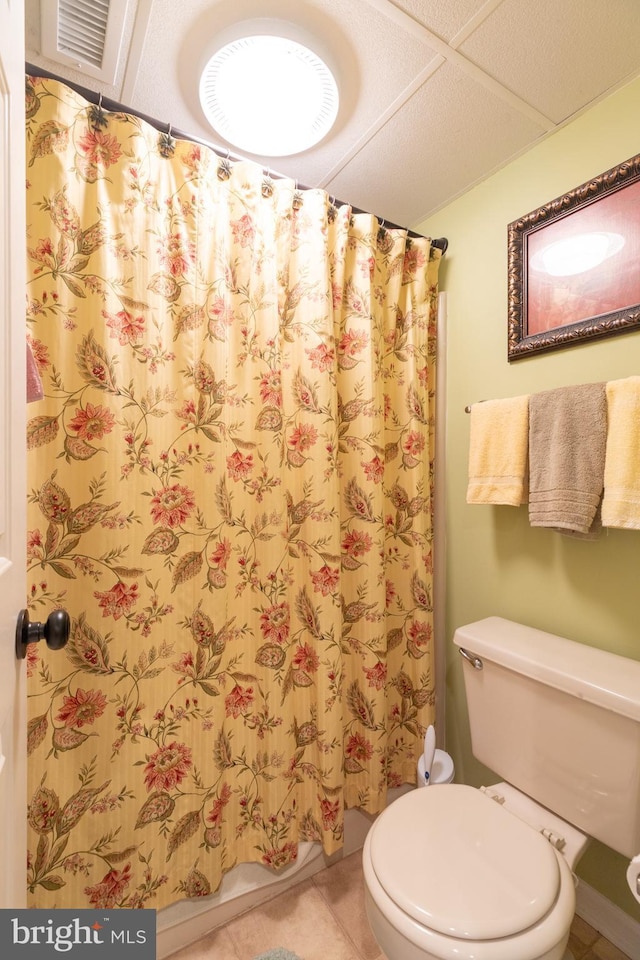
(458, 873)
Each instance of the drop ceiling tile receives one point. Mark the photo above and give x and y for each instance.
(450, 135)
(581, 49)
(442, 17)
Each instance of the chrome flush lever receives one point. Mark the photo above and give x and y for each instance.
(475, 661)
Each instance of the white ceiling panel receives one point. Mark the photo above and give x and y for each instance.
(427, 145)
(582, 48)
(444, 18)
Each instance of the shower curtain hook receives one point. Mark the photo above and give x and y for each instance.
(97, 117)
(298, 199)
(167, 144)
(224, 166)
(267, 184)
(384, 239)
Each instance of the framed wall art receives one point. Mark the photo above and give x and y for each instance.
(574, 265)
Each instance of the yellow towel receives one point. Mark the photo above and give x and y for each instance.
(621, 500)
(498, 445)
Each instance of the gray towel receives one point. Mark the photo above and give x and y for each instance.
(567, 442)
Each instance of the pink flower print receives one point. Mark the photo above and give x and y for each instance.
(187, 412)
(281, 856)
(305, 658)
(243, 230)
(238, 701)
(303, 437)
(105, 895)
(329, 811)
(423, 377)
(239, 466)
(271, 388)
(184, 666)
(390, 592)
(322, 357)
(40, 353)
(220, 556)
(92, 422)
(125, 327)
(192, 158)
(85, 707)
(100, 148)
(214, 817)
(414, 443)
(414, 259)
(376, 676)
(118, 601)
(358, 747)
(367, 267)
(34, 548)
(32, 660)
(356, 544)
(44, 253)
(176, 254)
(374, 470)
(353, 342)
(172, 505)
(420, 633)
(274, 623)
(167, 767)
(221, 315)
(325, 580)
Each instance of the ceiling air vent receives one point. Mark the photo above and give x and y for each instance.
(84, 34)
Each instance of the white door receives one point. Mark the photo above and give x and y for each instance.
(13, 817)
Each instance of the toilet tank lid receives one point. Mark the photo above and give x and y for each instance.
(597, 676)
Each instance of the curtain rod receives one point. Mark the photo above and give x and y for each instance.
(112, 106)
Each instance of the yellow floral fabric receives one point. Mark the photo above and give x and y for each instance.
(230, 491)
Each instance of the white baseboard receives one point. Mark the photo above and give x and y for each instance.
(609, 920)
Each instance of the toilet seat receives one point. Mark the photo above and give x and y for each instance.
(458, 864)
(393, 852)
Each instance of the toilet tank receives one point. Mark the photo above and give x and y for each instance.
(560, 721)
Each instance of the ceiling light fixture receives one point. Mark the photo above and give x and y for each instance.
(269, 95)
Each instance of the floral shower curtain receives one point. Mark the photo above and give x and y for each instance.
(230, 491)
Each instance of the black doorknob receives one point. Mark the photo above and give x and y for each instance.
(55, 631)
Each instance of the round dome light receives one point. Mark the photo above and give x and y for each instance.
(269, 95)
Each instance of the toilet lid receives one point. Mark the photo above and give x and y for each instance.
(454, 860)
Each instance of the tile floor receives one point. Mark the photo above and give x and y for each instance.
(324, 919)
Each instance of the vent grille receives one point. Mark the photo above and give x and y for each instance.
(82, 29)
(84, 34)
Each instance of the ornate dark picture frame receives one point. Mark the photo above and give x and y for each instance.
(550, 307)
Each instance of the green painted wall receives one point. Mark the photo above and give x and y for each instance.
(496, 564)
